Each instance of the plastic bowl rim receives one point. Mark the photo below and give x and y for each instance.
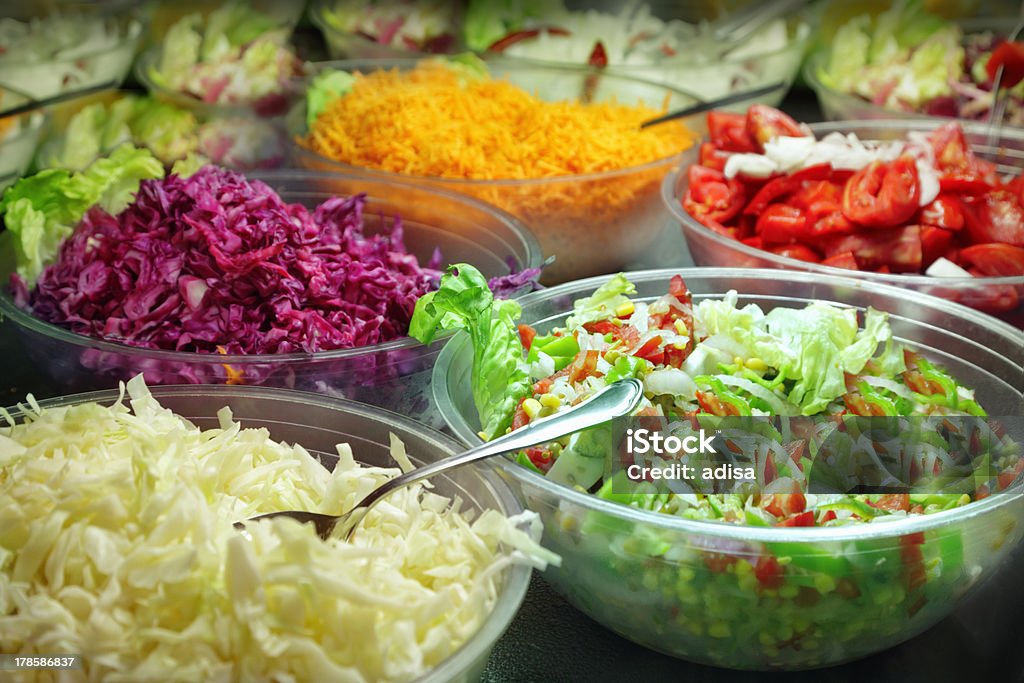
(399, 62)
(938, 520)
(517, 580)
(8, 309)
(674, 206)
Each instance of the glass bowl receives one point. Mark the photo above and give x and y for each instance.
(319, 423)
(999, 296)
(841, 106)
(650, 577)
(78, 67)
(592, 223)
(342, 44)
(746, 67)
(394, 375)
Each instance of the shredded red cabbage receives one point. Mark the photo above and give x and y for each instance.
(217, 263)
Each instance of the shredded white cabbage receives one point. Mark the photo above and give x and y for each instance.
(117, 542)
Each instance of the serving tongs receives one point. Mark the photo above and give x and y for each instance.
(998, 111)
(616, 400)
(745, 22)
(35, 105)
(716, 103)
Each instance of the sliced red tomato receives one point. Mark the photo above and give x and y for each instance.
(1010, 56)
(899, 249)
(959, 170)
(935, 243)
(798, 251)
(995, 260)
(996, 217)
(541, 458)
(1016, 186)
(784, 185)
(802, 519)
(728, 132)
(712, 157)
(583, 366)
(945, 211)
(710, 403)
(768, 572)
(526, 335)
(781, 224)
(598, 56)
(677, 288)
(712, 196)
(519, 417)
(893, 502)
(882, 195)
(828, 516)
(756, 242)
(845, 259)
(650, 350)
(765, 123)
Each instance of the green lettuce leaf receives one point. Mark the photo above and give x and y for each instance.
(500, 375)
(488, 21)
(41, 210)
(324, 89)
(602, 303)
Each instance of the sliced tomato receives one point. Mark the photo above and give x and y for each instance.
(712, 157)
(598, 56)
(711, 196)
(996, 217)
(1016, 186)
(882, 195)
(959, 170)
(892, 502)
(802, 519)
(710, 403)
(519, 417)
(798, 251)
(995, 260)
(768, 571)
(765, 123)
(784, 185)
(781, 224)
(526, 335)
(898, 249)
(541, 458)
(1010, 56)
(828, 516)
(756, 242)
(935, 243)
(584, 365)
(650, 350)
(845, 259)
(945, 211)
(728, 132)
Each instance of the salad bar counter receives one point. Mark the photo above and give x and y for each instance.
(262, 257)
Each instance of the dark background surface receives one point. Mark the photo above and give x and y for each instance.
(549, 640)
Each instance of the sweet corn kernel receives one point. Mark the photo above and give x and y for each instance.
(531, 407)
(680, 327)
(622, 310)
(756, 364)
(550, 401)
(482, 435)
(737, 360)
(680, 346)
(616, 322)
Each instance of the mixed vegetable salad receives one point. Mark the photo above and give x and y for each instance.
(235, 56)
(119, 543)
(907, 59)
(413, 25)
(925, 204)
(62, 51)
(707, 591)
(633, 36)
(172, 133)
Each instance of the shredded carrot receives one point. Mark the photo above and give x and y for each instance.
(432, 121)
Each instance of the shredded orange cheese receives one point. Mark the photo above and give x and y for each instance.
(431, 121)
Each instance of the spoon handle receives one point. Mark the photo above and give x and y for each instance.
(617, 400)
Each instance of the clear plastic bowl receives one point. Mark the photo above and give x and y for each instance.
(40, 79)
(593, 223)
(747, 69)
(999, 296)
(348, 45)
(841, 106)
(394, 375)
(646, 575)
(319, 423)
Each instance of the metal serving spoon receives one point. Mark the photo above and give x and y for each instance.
(616, 400)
